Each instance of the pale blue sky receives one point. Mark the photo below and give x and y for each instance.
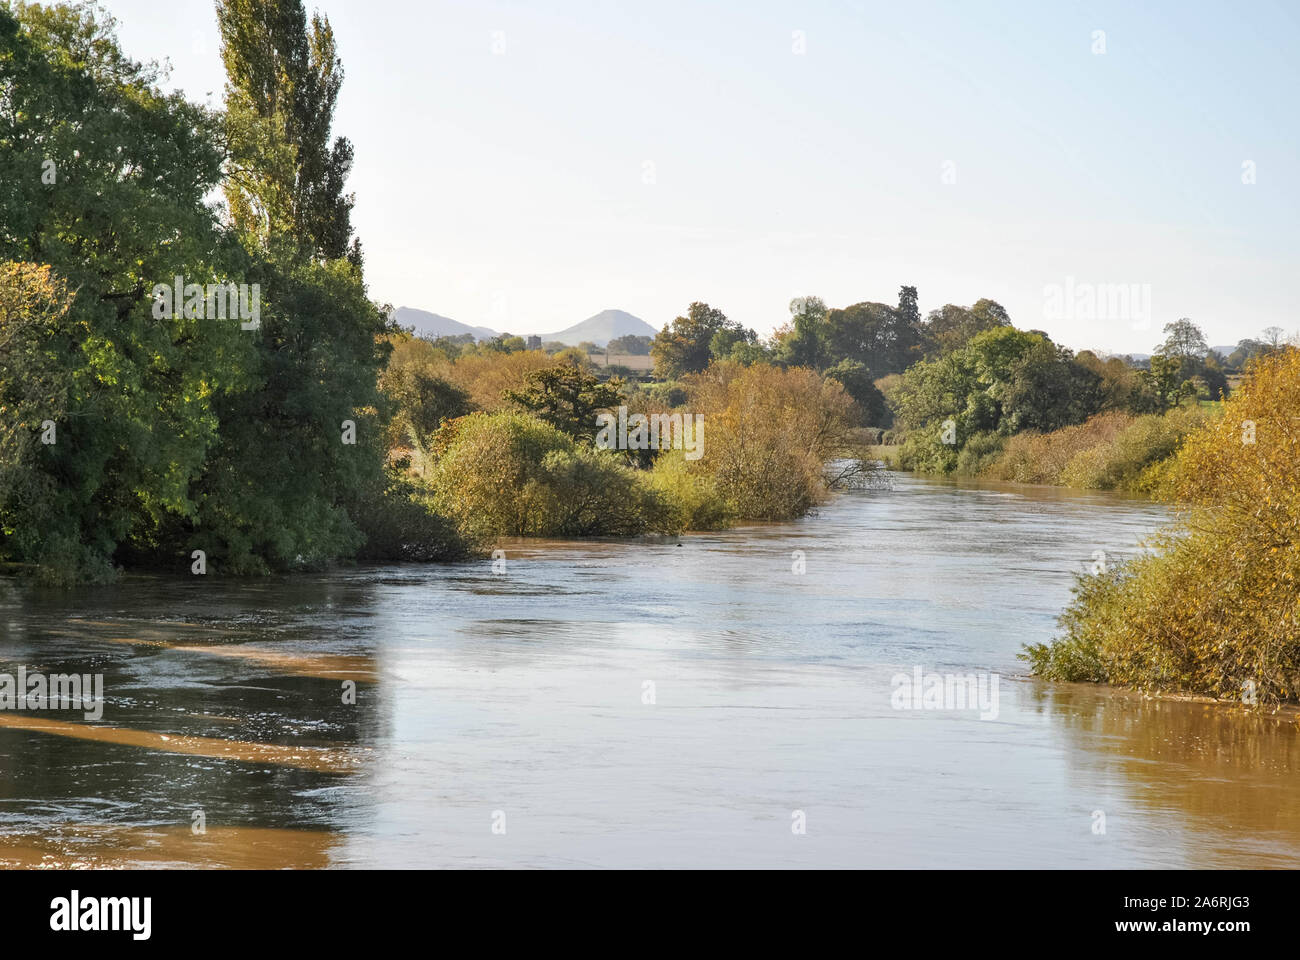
(509, 189)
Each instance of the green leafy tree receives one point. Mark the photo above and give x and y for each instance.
(952, 327)
(803, 341)
(567, 398)
(303, 451)
(886, 339)
(283, 81)
(865, 333)
(104, 179)
(1184, 340)
(631, 344)
(504, 343)
(1244, 352)
(746, 353)
(909, 311)
(1049, 390)
(860, 385)
(1214, 376)
(1165, 382)
(685, 345)
(419, 396)
(726, 339)
(34, 393)
(1001, 382)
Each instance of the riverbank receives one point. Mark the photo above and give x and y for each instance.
(1111, 451)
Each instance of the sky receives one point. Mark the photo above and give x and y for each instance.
(1100, 169)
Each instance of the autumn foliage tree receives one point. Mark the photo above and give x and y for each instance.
(770, 435)
(1215, 608)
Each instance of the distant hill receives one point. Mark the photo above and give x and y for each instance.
(428, 324)
(602, 328)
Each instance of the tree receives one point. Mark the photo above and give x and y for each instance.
(504, 343)
(419, 395)
(1184, 340)
(1274, 337)
(1214, 376)
(909, 340)
(684, 346)
(746, 353)
(909, 313)
(1050, 390)
(34, 303)
(1164, 379)
(1245, 350)
(726, 340)
(1117, 380)
(951, 326)
(303, 451)
(178, 430)
(1002, 381)
(574, 357)
(989, 314)
(631, 344)
(567, 398)
(802, 342)
(859, 384)
(771, 433)
(487, 376)
(866, 333)
(282, 87)
(123, 209)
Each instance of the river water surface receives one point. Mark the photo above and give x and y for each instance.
(646, 704)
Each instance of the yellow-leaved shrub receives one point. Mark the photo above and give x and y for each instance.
(1214, 607)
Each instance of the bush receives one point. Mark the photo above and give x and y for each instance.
(923, 451)
(980, 451)
(1145, 442)
(401, 525)
(1111, 451)
(509, 474)
(691, 496)
(1043, 457)
(770, 434)
(1215, 608)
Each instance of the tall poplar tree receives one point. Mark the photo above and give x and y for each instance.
(282, 87)
(302, 455)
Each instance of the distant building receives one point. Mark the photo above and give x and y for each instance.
(534, 342)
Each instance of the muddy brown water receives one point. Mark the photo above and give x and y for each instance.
(683, 702)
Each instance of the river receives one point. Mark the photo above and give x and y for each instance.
(720, 699)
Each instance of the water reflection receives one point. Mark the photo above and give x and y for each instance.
(1225, 774)
(525, 694)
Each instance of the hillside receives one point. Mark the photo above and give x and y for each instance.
(602, 328)
(428, 324)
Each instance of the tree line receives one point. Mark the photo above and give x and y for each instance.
(262, 449)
